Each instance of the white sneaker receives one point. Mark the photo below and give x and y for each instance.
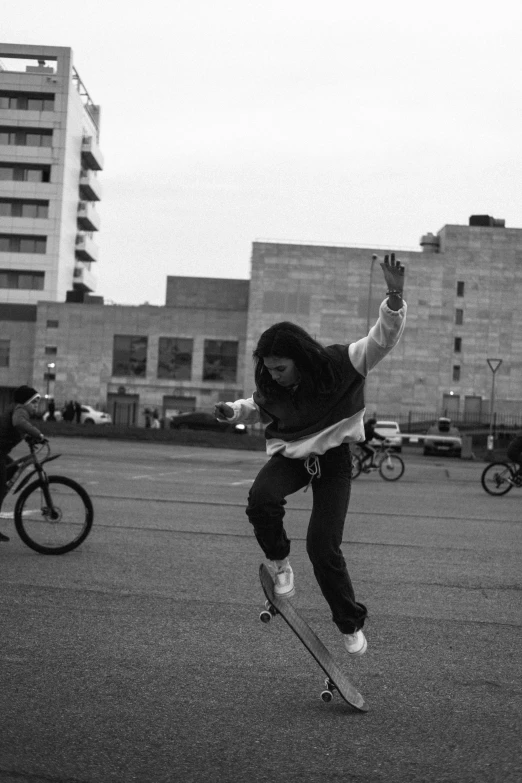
(283, 578)
(355, 643)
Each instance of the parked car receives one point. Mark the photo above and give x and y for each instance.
(391, 431)
(199, 420)
(89, 415)
(443, 438)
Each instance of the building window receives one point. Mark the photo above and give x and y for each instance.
(14, 243)
(51, 350)
(26, 101)
(457, 345)
(52, 324)
(220, 360)
(460, 288)
(26, 137)
(25, 208)
(459, 317)
(129, 355)
(29, 281)
(24, 173)
(456, 372)
(4, 353)
(175, 358)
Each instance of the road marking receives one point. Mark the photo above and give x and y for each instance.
(240, 483)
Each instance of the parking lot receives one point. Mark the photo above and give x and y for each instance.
(140, 656)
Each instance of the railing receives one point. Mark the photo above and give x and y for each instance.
(419, 421)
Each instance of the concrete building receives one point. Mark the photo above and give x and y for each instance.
(124, 359)
(49, 161)
(464, 291)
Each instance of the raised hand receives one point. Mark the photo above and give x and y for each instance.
(393, 272)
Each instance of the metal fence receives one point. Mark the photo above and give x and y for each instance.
(419, 421)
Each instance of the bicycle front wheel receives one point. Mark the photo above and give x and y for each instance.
(391, 467)
(58, 527)
(497, 478)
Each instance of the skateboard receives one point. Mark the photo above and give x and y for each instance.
(336, 680)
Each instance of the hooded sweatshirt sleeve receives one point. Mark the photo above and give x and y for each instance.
(382, 337)
(22, 423)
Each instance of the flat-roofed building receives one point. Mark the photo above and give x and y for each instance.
(49, 187)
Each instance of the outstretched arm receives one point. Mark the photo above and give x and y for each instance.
(385, 334)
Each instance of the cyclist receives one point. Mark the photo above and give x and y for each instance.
(369, 434)
(14, 425)
(514, 452)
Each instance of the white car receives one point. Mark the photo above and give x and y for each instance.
(90, 415)
(391, 431)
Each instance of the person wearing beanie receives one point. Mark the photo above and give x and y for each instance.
(15, 424)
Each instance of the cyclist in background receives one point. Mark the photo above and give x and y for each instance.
(514, 452)
(14, 425)
(369, 434)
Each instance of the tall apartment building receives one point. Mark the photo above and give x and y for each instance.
(49, 161)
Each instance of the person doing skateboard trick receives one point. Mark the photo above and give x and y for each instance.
(311, 399)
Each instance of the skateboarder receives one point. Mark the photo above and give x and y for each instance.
(311, 399)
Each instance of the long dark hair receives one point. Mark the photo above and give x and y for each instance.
(290, 341)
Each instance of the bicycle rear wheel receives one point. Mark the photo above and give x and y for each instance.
(57, 529)
(496, 478)
(391, 467)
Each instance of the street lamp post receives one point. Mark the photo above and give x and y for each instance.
(494, 364)
(50, 367)
(374, 259)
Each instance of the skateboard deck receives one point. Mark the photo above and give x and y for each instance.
(335, 677)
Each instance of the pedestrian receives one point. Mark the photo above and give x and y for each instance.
(14, 425)
(311, 399)
(68, 411)
(78, 411)
(148, 417)
(51, 409)
(155, 423)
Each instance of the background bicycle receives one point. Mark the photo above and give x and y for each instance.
(52, 514)
(499, 477)
(389, 465)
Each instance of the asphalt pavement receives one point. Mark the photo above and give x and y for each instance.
(141, 657)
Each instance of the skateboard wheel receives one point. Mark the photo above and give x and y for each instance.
(265, 616)
(327, 696)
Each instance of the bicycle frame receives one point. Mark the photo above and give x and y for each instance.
(381, 452)
(23, 463)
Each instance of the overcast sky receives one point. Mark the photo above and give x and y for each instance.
(227, 121)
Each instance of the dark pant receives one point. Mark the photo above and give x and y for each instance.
(331, 494)
(5, 463)
(369, 451)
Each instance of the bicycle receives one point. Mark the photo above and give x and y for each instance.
(389, 465)
(499, 477)
(53, 514)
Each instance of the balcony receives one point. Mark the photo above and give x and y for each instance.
(83, 279)
(92, 158)
(90, 188)
(86, 249)
(88, 218)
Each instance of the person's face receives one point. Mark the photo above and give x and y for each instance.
(282, 371)
(32, 406)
